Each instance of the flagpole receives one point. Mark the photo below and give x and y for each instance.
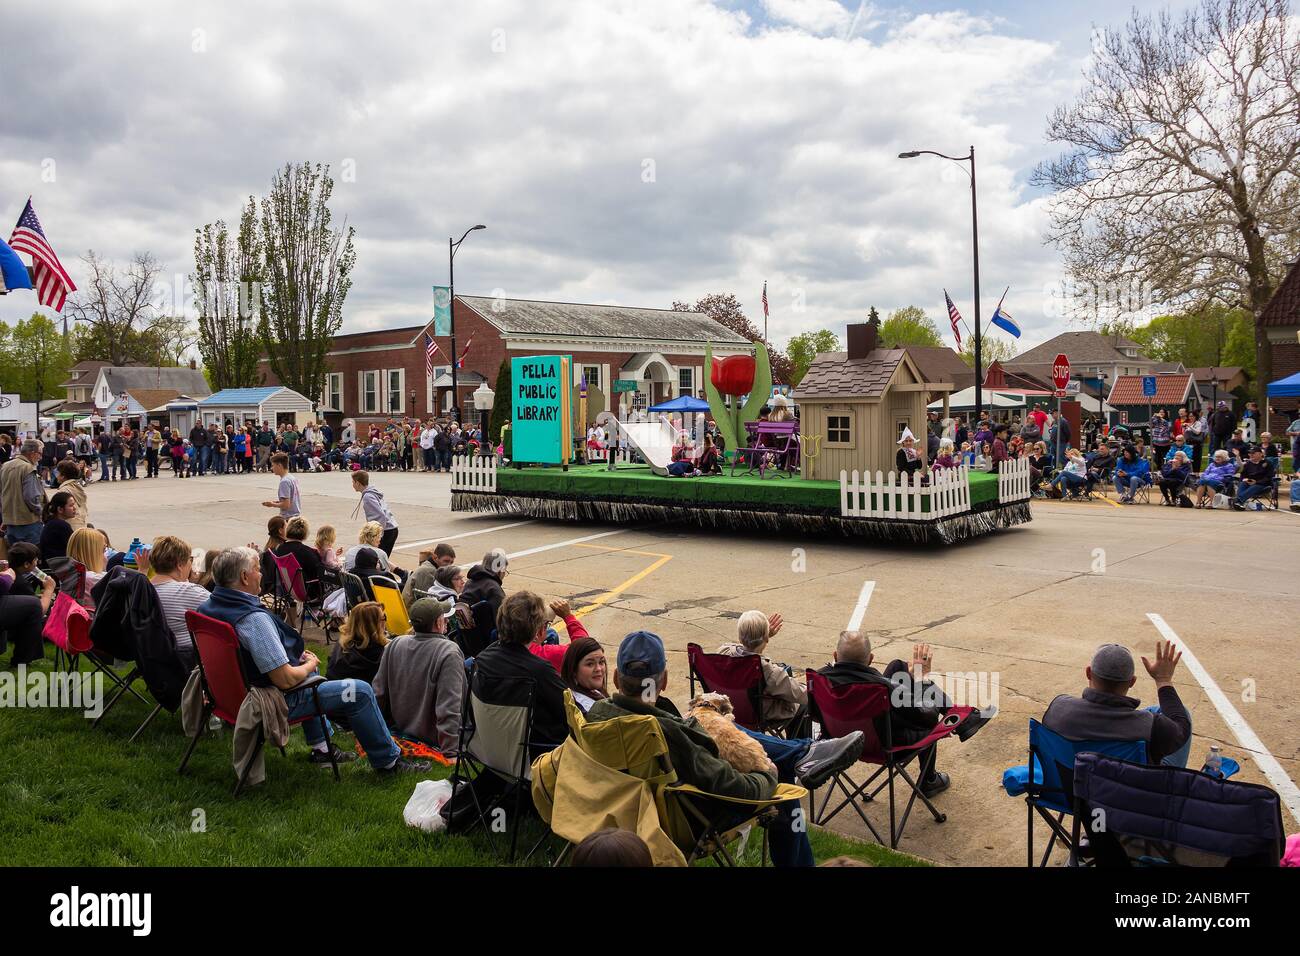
(975, 245)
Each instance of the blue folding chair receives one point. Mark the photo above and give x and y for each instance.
(1051, 790)
(1143, 816)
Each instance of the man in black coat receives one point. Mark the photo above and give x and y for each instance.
(1222, 423)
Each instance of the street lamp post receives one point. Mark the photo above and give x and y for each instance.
(975, 243)
(451, 290)
(483, 400)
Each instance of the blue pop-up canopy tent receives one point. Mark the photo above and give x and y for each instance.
(682, 406)
(1288, 387)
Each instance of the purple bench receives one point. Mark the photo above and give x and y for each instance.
(771, 445)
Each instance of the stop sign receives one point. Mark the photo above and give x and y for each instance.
(1061, 371)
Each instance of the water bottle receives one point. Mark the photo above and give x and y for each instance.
(1214, 761)
(215, 724)
(136, 545)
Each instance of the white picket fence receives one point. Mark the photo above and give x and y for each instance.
(474, 473)
(1013, 481)
(888, 496)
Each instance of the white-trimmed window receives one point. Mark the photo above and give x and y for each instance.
(394, 386)
(592, 374)
(368, 392)
(839, 429)
(686, 381)
(334, 391)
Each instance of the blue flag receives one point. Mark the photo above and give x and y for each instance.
(13, 274)
(1003, 320)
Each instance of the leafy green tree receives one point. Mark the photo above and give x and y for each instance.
(991, 350)
(909, 326)
(36, 358)
(307, 273)
(804, 347)
(725, 309)
(228, 291)
(1213, 336)
(501, 406)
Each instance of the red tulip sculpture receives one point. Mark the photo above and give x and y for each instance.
(737, 376)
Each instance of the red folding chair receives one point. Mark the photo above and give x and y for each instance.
(292, 587)
(225, 685)
(740, 678)
(848, 707)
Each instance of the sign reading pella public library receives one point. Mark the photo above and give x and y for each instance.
(540, 412)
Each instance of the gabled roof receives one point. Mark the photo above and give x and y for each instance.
(1284, 307)
(152, 398)
(1082, 348)
(131, 377)
(834, 375)
(242, 396)
(1171, 389)
(87, 368)
(942, 364)
(578, 320)
(1221, 373)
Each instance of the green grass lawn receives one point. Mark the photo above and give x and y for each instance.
(71, 795)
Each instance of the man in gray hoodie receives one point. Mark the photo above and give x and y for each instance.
(421, 679)
(376, 509)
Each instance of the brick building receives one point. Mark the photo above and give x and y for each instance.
(379, 374)
(1281, 321)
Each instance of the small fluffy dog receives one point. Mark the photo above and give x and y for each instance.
(713, 713)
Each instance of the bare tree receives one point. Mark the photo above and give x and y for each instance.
(227, 287)
(308, 269)
(117, 306)
(1182, 175)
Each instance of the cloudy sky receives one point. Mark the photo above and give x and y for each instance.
(618, 150)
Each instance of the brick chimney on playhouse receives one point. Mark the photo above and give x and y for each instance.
(863, 337)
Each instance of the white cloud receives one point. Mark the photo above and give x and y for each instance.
(774, 150)
(816, 16)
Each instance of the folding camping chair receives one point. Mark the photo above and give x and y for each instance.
(389, 597)
(739, 678)
(701, 825)
(494, 739)
(291, 587)
(225, 685)
(70, 575)
(1173, 816)
(848, 707)
(80, 646)
(354, 589)
(1052, 791)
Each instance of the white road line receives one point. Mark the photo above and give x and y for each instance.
(457, 537)
(864, 598)
(565, 544)
(1248, 739)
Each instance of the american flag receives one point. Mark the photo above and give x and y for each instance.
(430, 350)
(51, 280)
(765, 301)
(460, 362)
(954, 317)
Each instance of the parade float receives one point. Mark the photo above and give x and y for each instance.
(830, 471)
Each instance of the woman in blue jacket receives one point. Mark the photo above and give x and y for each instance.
(1132, 473)
(1218, 477)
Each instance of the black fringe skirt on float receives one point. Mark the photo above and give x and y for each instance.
(950, 530)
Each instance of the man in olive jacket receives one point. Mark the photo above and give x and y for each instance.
(640, 678)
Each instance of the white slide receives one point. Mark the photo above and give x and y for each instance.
(654, 441)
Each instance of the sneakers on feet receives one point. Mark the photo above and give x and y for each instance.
(408, 765)
(936, 785)
(977, 719)
(826, 758)
(322, 757)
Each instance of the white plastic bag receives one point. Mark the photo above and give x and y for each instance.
(337, 603)
(1221, 501)
(424, 810)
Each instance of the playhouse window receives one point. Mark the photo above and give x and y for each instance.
(839, 430)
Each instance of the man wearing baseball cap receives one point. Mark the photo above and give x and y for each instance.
(421, 680)
(1106, 712)
(639, 682)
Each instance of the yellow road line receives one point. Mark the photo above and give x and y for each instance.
(616, 591)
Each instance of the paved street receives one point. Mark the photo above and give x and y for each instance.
(1027, 605)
